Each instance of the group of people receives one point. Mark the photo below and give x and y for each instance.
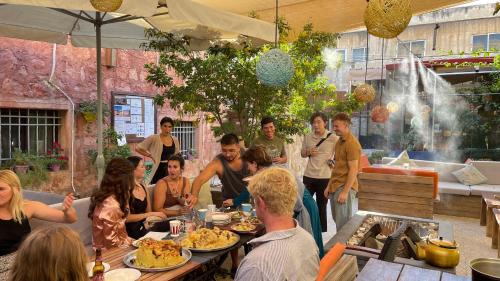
(122, 203)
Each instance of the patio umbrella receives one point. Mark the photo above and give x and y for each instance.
(325, 15)
(53, 20)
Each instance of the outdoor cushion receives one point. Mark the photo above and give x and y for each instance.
(489, 169)
(44, 197)
(402, 159)
(409, 172)
(454, 188)
(478, 189)
(329, 260)
(470, 176)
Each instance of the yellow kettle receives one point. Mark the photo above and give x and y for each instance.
(438, 252)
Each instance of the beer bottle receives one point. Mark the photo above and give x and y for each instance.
(98, 269)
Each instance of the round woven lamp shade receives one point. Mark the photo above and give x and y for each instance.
(364, 93)
(106, 5)
(387, 18)
(380, 114)
(392, 107)
(275, 68)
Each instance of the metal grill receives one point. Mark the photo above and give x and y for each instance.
(186, 133)
(30, 130)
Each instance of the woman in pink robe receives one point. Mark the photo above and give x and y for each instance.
(109, 208)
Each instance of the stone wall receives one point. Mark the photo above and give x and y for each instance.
(26, 69)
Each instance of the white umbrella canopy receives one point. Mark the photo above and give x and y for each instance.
(53, 20)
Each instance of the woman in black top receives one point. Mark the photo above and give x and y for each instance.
(15, 214)
(139, 203)
(159, 148)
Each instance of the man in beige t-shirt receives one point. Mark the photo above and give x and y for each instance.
(318, 147)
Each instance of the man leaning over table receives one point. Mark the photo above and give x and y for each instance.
(286, 251)
(343, 184)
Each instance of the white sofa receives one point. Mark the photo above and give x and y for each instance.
(456, 198)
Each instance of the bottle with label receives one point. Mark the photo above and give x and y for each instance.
(98, 269)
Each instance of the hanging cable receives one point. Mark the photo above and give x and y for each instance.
(366, 59)
(382, 74)
(276, 29)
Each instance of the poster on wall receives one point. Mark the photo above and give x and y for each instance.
(133, 116)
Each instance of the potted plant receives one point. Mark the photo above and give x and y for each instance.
(88, 109)
(21, 161)
(55, 157)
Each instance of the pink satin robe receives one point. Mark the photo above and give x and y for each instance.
(108, 225)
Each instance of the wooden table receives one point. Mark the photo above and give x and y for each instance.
(377, 270)
(488, 203)
(115, 258)
(495, 239)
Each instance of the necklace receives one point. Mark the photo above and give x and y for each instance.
(176, 191)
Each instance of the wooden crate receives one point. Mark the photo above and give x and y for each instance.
(403, 195)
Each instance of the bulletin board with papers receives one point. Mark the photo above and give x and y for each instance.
(133, 116)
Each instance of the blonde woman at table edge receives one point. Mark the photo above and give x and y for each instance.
(16, 212)
(109, 205)
(54, 253)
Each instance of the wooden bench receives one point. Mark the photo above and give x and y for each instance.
(488, 203)
(495, 239)
(403, 195)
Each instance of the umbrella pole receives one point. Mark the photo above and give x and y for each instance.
(100, 157)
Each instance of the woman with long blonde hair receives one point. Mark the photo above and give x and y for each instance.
(15, 214)
(55, 253)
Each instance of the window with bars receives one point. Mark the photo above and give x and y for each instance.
(186, 133)
(30, 130)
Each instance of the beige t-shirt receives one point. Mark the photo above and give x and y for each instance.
(317, 166)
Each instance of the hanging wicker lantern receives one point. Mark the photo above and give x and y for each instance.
(380, 114)
(392, 107)
(364, 93)
(275, 68)
(387, 18)
(106, 5)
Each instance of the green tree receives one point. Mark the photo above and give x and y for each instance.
(221, 81)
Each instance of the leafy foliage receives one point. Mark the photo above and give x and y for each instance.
(222, 82)
(111, 149)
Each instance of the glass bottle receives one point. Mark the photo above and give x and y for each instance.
(98, 269)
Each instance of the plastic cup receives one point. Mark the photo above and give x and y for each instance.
(247, 208)
(175, 228)
(211, 208)
(202, 213)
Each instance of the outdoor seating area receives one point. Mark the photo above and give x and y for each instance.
(218, 140)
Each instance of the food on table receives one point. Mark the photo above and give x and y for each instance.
(243, 226)
(206, 239)
(253, 220)
(236, 215)
(153, 253)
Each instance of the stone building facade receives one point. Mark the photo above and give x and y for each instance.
(48, 79)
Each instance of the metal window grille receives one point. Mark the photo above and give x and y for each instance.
(186, 133)
(30, 130)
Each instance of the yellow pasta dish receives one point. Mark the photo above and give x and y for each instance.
(243, 226)
(153, 253)
(206, 239)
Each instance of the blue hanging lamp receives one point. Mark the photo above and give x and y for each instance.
(275, 68)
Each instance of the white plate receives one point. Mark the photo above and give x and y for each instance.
(90, 266)
(129, 260)
(122, 274)
(152, 234)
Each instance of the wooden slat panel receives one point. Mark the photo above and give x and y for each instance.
(403, 189)
(404, 209)
(377, 270)
(395, 198)
(346, 269)
(458, 205)
(450, 277)
(411, 273)
(396, 178)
